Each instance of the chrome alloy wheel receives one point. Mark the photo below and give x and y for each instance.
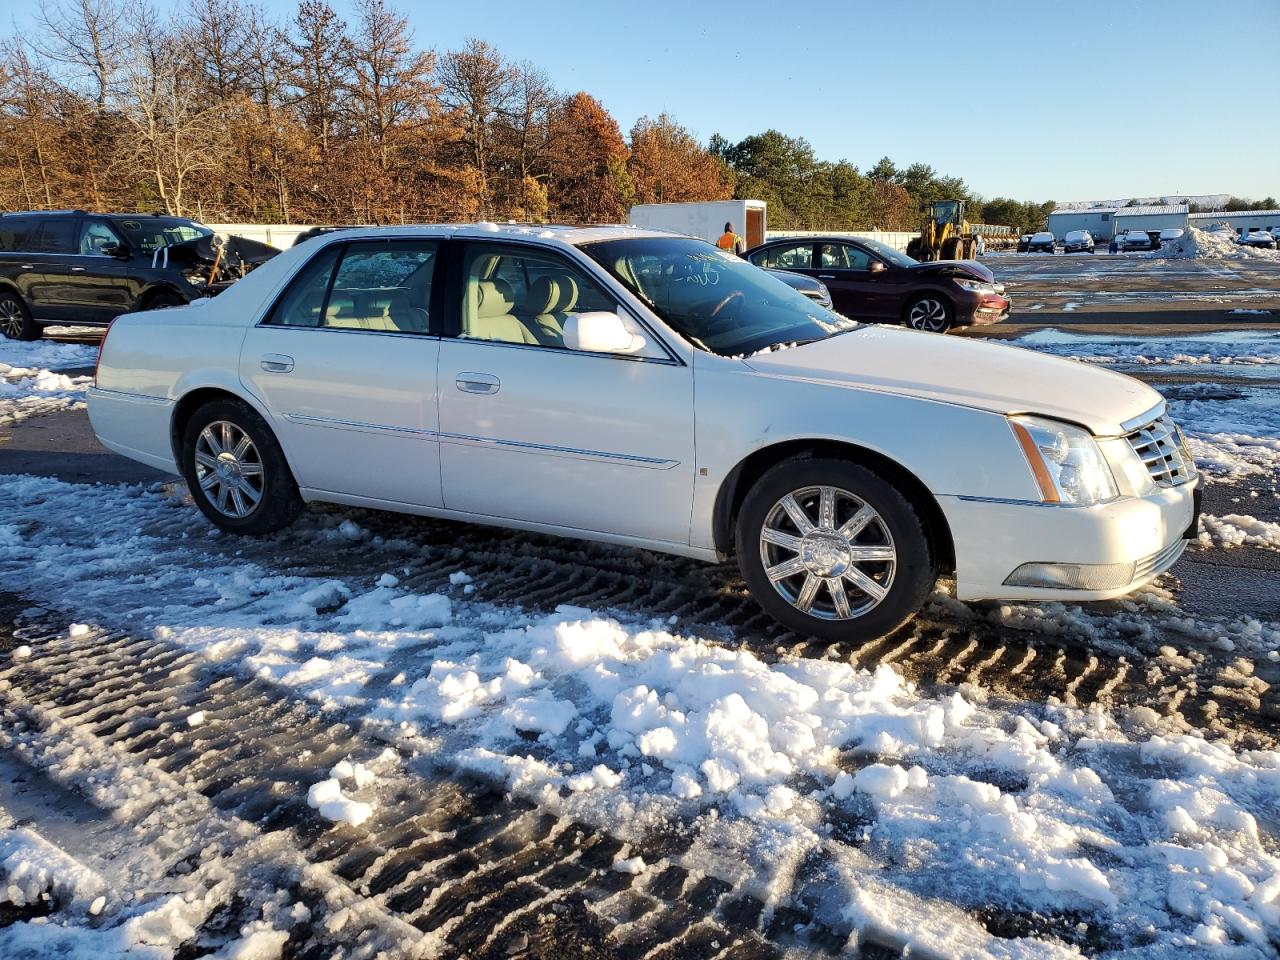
(928, 314)
(229, 469)
(828, 553)
(11, 317)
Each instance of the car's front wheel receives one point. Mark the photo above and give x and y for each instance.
(930, 312)
(833, 551)
(16, 322)
(236, 471)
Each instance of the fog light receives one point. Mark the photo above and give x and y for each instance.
(1072, 576)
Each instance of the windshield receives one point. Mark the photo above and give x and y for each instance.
(887, 253)
(153, 233)
(714, 299)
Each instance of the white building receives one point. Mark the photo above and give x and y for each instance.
(1156, 217)
(1238, 220)
(1097, 220)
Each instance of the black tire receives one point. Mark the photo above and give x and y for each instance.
(931, 312)
(279, 502)
(913, 574)
(165, 298)
(16, 322)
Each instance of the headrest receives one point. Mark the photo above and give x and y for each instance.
(494, 298)
(544, 294)
(340, 306)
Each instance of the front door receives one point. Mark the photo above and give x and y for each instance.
(535, 432)
(346, 363)
(99, 289)
(857, 292)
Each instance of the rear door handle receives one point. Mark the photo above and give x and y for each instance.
(483, 383)
(826, 276)
(276, 363)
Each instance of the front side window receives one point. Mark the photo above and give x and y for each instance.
(842, 256)
(56, 235)
(718, 302)
(524, 295)
(787, 257)
(95, 237)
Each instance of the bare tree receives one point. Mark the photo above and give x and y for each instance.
(478, 85)
(392, 86)
(218, 31)
(320, 69)
(24, 92)
(525, 137)
(88, 35)
(174, 132)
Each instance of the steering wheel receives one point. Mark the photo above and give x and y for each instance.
(733, 295)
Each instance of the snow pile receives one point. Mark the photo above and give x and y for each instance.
(1226, 348)
(1197, 244)
(1235, 530)
(51, 354)
(31, 867)
(328, 797)
(29, 384)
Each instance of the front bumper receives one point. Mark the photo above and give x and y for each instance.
(994, 537)
(984, 308)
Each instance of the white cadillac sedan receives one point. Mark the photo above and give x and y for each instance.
(642, 388)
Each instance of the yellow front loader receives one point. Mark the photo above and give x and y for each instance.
(944, 234)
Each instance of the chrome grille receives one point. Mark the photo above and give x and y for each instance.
(1159, 446)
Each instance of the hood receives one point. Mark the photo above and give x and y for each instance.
(969, 373)
(235, 251)
(954, 268)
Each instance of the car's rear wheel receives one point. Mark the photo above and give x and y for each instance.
(236, 471)
(930, 312)
(16, 322)
(831, 550)
(165, 298)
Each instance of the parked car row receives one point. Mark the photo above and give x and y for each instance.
(636, 387)
(70, 266)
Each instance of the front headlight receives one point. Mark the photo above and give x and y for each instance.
(974, 286)
(1067, 465)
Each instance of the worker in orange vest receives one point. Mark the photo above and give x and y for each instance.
(730, 242)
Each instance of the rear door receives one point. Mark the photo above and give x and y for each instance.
(18, 262)
(54, 276)
(346, 364)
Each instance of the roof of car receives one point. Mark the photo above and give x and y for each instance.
(563, 233)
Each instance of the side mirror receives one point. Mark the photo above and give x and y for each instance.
(600, 332)
(118, 250)
(876, 266)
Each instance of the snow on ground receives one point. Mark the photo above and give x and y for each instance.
(919, 802)
(1231, 347)
(1196, 244)
(1236, 530)
(29, 384)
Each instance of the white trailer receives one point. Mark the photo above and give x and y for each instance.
(705, 219)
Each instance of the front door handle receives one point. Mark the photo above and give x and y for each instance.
(276, 363)
(826, 276)
(77, 269)
(483, 383)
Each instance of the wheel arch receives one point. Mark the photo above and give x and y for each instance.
(157, 289)
(733, 490)
(191, 401)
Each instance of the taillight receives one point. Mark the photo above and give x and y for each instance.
(101, 344)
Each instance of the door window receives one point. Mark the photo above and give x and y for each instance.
(524, 295)
(303, 303)
(56, 235)
(95, 236)
(795, 257)
(384, 286)
(842, 256)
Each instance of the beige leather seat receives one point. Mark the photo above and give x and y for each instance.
(490, 316)
(403, 316)
(549, 299)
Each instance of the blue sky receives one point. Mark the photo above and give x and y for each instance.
(1058, 100)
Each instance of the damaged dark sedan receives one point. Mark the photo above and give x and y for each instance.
(72, 267)
(872, 281)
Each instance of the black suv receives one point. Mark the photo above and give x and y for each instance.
(73, 267)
